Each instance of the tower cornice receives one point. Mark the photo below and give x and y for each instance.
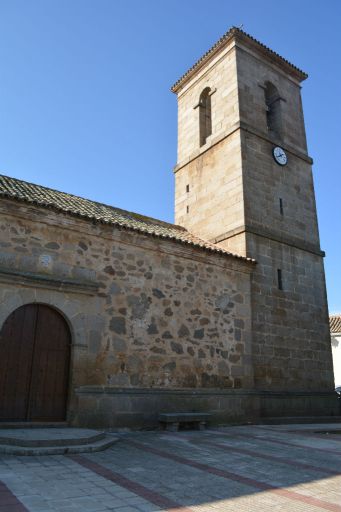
(240, 36)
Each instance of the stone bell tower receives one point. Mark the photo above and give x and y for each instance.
(244, 181)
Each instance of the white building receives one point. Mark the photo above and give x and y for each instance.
(335, 333)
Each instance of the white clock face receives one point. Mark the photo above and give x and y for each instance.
(280, 156)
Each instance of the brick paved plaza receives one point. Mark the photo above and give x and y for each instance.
(233, 469)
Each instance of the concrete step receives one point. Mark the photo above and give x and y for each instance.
(53, 441)
(32, 424)
(97, 446)
(41, 437)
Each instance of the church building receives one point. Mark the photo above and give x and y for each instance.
(108, 318)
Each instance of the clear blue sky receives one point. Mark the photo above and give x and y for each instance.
(85, 105)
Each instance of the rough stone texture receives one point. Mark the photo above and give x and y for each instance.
(234, 195)
(162, 316)
(291, 341)
(158, 325)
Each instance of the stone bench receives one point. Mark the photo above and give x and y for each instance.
(172, 421)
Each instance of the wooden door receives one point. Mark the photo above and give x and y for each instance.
(16, 351)
(50, 367)
(34, 365)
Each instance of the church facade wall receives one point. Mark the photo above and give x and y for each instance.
(144, 313)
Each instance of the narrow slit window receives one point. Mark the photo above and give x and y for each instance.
(205, 115)
(279, 279)
(187, 209)
(281, 205)
(273, 109)
(187, 188)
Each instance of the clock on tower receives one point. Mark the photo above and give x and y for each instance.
(229, 190)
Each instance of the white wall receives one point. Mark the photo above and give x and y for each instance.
(336, 350)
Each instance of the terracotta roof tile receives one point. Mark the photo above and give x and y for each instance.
(19, 190)
(335, 323)
(236, 32)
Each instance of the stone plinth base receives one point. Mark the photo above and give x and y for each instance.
(139, 408)
(298, 403)
(107, 407)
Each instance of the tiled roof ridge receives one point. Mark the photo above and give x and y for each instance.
(335, 323)
(233, 31)
(14, 188)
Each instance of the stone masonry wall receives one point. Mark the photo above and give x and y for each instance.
(290, 329)
(253, 73)
(232, 181)
(291, 341)
(265, 183)
(164, 316)
(221, 77)
(208, 179)
(235, 188)
(213, 204)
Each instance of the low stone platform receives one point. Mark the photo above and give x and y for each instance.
(53, 441)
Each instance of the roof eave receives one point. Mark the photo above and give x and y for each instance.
(251, 42)
(119, 225)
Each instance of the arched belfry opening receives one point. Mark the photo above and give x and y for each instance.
(205, 115)
(273, 109)
(35, 343)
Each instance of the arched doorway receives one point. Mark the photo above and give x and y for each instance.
(34, 365)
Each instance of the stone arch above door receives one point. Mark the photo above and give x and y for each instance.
(70, 307)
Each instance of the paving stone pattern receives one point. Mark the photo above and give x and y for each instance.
(232, 469)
